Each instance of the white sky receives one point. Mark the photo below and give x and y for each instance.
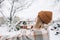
(33, 10)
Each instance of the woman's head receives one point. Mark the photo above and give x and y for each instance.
(44, 17)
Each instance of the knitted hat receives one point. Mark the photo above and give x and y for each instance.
(45, 16)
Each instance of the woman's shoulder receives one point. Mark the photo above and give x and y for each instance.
(40, 31)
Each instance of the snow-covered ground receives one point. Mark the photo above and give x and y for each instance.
(4, 33)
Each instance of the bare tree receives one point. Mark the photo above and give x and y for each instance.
(16, 6)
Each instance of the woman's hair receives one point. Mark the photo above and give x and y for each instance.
(39, 23)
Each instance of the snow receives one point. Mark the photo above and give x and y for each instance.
(32, 12)
(52, 35)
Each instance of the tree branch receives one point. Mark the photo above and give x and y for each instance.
(22, 6)
(11, 11)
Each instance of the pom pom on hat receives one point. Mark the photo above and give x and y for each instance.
(45, 16)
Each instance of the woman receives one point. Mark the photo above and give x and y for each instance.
(44, 17)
